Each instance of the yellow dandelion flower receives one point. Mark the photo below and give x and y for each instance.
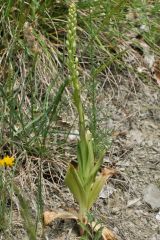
(7, 161)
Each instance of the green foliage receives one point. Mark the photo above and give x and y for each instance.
(28, 103)
(89, 229)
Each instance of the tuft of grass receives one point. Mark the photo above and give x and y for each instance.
(30, 88)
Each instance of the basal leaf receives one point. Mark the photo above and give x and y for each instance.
(75, 185)
(94, 170)
(97, 186)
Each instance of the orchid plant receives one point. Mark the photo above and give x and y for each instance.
(84, 180)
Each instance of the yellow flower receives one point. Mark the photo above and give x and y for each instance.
(7, 161)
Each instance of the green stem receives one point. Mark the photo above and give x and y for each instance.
(82, 214)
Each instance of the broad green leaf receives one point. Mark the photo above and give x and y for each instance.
(94, 170)
(75, 185)
(98, 185)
